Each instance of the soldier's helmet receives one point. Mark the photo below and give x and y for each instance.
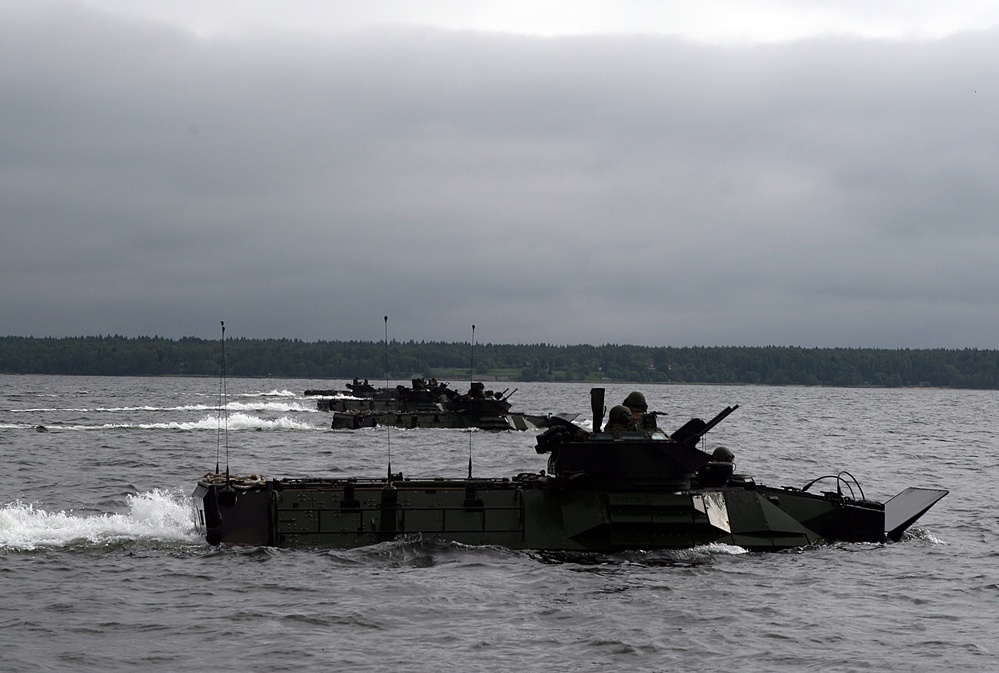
(722, 454)
(620, 414)
(636, 401)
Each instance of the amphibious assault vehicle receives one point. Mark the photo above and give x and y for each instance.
(429, 405)
(631, 488)
(362, 396)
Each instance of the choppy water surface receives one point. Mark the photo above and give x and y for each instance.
(101, 570)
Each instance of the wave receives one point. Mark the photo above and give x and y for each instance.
(18, 426)
(693, 556)
(274, 406)
(36, 410)
(240, 421)
(237, 421)
(253, 406)
(157, 516)
(272, 393)
(921, 534)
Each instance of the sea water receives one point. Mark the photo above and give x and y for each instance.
(101, 568)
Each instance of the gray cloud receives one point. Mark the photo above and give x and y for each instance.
(589, 189)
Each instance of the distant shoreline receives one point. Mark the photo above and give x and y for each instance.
(344, 360)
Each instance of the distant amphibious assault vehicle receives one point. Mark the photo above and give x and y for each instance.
(425, 404)
(629, 486)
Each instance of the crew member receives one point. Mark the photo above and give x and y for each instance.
(620, 420)
(635, 402)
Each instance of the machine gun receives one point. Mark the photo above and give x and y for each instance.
(692, 431)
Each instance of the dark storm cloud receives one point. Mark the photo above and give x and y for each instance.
(623, 189)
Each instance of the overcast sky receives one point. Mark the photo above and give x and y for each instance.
(658, 173)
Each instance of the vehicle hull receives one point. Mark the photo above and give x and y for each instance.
(437, 419)
(530, 512)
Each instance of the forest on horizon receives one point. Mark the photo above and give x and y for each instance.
(292, 358)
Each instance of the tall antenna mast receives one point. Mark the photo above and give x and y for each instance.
(388, 426)
(223, 412)
(471, 376)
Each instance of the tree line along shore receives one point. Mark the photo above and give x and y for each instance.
(292, 358)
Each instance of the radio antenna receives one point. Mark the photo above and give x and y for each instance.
(471, 376)
(222, 413)
(388, 426)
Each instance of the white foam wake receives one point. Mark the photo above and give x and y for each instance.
(154, 516)
(241, 421)
(237, 421)
(272, 393)
(245, 406)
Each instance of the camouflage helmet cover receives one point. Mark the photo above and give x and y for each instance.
(620, 414)
(722, 454)
(636, 400)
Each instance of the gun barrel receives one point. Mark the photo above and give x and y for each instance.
(717, 419)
